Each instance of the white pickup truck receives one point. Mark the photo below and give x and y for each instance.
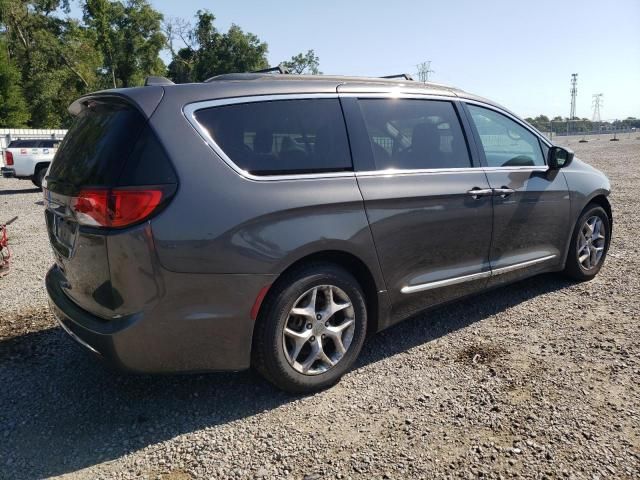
(29, 159)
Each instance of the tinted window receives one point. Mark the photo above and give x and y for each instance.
(24, 144)
(414, 134)
(505, 142)
(281, 137)
(49, 143)
(109, 144)
(94, 150)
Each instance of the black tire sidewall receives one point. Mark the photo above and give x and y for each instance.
(275, 316)
(39, 177)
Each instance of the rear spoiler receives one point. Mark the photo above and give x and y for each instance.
(145, 99)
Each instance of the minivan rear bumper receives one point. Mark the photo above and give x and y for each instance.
(172, 337)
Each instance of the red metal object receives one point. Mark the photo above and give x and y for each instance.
(5, 253)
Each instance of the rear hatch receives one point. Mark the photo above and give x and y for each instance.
(109, 176)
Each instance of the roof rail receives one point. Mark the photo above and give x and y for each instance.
(406, 76)
(153, 81)
(282, 70)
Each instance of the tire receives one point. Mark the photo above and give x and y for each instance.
(274, 351)
(39, 177)
(576, 269)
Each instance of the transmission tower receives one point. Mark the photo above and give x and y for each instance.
(596, 104)
(424, 69)
(574, 94)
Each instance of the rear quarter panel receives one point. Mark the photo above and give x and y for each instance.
(220, 222)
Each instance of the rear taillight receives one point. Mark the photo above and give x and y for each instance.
(118, 207)
(8, 158)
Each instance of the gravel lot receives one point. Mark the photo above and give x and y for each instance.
(538, 380)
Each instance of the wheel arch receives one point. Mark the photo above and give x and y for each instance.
(354, 265)
(602, 200)
(40, 165)
(598, 198)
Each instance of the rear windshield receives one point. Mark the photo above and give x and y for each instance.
(24, 144)
(94, 150)
(110, 144)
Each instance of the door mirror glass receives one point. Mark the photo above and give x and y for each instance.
(559, 157)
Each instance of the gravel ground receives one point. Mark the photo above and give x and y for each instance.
(537, 380)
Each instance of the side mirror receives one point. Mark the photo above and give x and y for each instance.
(559, 157)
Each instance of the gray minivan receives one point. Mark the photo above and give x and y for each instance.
(275, 220)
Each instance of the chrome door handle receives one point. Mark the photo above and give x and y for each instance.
(476, 192)
(503, 192)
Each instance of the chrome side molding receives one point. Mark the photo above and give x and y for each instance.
(474, 276)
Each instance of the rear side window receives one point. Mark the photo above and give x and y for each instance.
(281, 137)
(49, 143)
(414, 134)
(505, 143)
(109, 144)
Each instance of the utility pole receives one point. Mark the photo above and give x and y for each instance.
(424, 69)
(596, 104)
(574, 94)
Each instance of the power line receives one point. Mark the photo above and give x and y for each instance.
(596, 104)
(574, 94)
(424, 69)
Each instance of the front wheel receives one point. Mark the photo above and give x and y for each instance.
(589, 244)
(311, 328)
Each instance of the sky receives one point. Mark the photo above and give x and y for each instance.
(520, 54)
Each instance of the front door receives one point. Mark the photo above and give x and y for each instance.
(531, 208)
(429, 208)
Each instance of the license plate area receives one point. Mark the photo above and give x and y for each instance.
(62, 233)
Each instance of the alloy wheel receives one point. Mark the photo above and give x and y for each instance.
(591, 243)
(319, 330)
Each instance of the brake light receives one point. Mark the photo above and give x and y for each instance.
(8, 158)
(117, 207)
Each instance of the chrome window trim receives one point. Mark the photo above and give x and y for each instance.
(474, 276)
(511, 116)
(189, 111)
(395, 172)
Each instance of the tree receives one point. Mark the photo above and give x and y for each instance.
(13, 106)
(56, 58)
(208, 52)
(303, 63)
(130, 38)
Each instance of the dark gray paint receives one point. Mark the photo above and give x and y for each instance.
(180, 288)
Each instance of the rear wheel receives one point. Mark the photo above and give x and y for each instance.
(311, 328)
(38, 178)
(589, 244)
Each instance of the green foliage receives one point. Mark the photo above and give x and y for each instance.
(49, 59)
(56, 58)
(13, 106)
(304, 63)
(130, 38)
(210, 52)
